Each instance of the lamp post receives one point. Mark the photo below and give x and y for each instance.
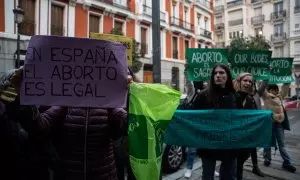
(19, 17)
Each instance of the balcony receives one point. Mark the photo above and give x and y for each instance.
(258, 20)
(278, 15)
(219, 9)
(278, 37)
(181, 23)
(297, 9)
(203, 3)
(235, 22)
(220, 44)
(205, 33)
(219, 27)
(163, 16)
(234, 3)
(123, 4)
(256, 1)
(147, 10)
(27, 27)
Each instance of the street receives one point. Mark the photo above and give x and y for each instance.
(274, 172)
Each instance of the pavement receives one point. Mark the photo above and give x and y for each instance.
(274, 172)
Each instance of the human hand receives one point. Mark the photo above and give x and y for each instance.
(16, 78)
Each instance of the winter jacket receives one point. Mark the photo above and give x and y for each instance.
(84, 142)
(227, 100)
(274, 103)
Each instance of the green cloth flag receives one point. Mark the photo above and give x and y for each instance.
(201, 61)
(281, 70)
(255, 62)
(220, 129)
(151, 107)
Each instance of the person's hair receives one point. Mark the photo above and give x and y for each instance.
(239, 78)
(5, 79)
(273, 87)
(212, 87)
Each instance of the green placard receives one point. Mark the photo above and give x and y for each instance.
(255, 62)
(281, 70)
(201, 61)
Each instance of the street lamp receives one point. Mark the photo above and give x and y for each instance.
(19, 17)
(260, 33)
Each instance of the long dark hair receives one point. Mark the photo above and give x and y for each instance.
(213, 88)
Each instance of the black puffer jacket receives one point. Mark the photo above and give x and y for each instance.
(226, 100)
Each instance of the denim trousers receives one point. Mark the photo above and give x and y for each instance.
(278, 134)
(227, 169)
(192, 152)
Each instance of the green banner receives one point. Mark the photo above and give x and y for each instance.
(201, 61)
(151, 107)
(220, 129)
(255, 62)
(281, 70)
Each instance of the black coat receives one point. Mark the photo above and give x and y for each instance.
(21, 154)
(225, 100)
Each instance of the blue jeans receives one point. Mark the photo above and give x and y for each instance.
(278, 134)
(190, 157)
(227, 169)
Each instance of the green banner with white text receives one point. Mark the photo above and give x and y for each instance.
(255, 62)
(201, 61)
(281, 70)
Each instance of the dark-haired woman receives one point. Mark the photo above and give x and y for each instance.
(220, 94)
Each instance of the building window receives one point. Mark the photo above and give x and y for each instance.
(175, 47)
(118, 25)
(57, 20)
(27, 27)
(94, 25)
(144, 42)
(175, 78)
(278, 29)
(278, 7)
(230, 35)
(187, 44)
(199, 45)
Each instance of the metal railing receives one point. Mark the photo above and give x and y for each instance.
(258, 19)
(255, 1)
(278, 37)
(118, 3)
(205, 33)
(278, 15)
(297, 9)
(234, 3)
(219, 8)
(181, 23)
(147, 10)
(57, 30)
(235, 22)
(27, 27)
(204, 3)
(219, 26)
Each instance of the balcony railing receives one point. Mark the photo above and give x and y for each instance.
(181, 23)
(147, 10)
(57, 30)
(144, 48)
(118, 3)
(234, 3)
(27, 28)
(175, 54)
(219, 26)
(204, 3)
(257, 20)
(255, 1)
(297, 9)
(278, 15)
(219, 9)
(205, 33)
(163, 16)
(278, 37)
(235, 22)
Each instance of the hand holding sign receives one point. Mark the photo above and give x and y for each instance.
(74, 72)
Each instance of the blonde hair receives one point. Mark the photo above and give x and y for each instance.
(237, 82)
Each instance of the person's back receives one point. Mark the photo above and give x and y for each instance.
(84, 142)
